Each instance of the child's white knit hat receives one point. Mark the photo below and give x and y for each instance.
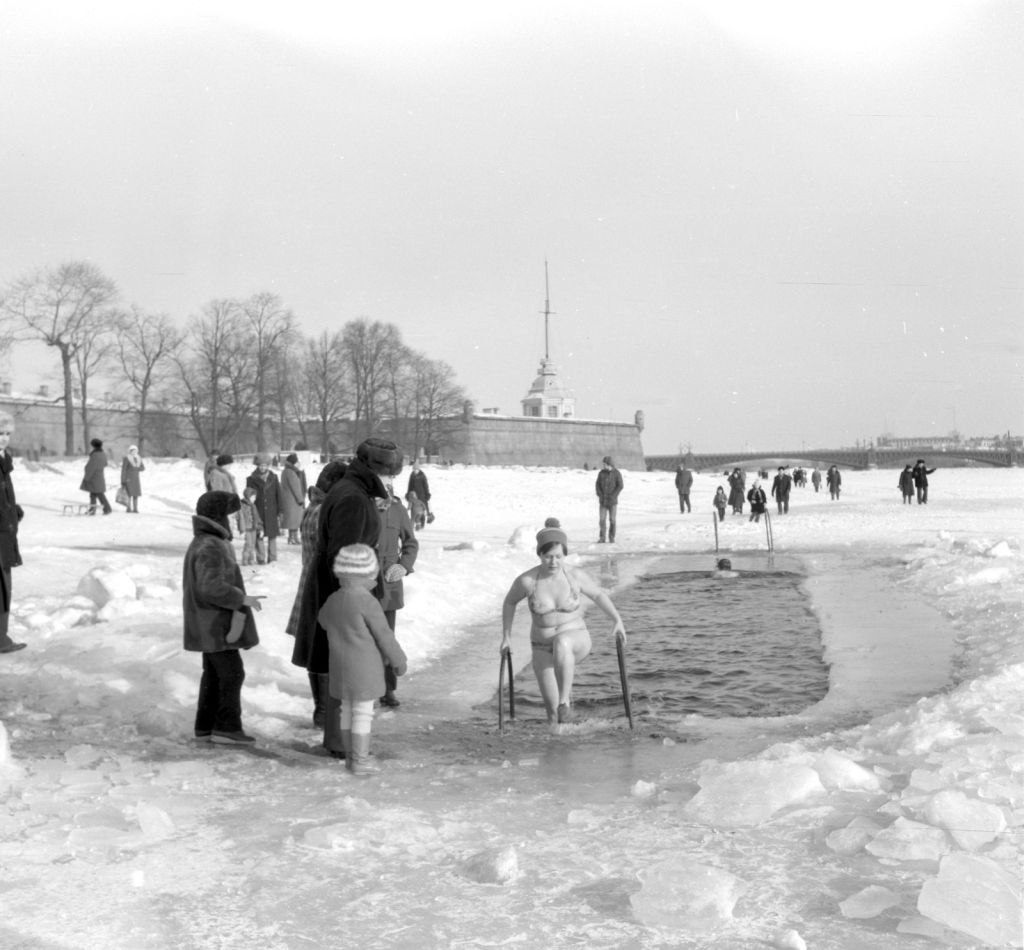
(355, 560)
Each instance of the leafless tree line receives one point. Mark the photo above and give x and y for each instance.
(238, 365)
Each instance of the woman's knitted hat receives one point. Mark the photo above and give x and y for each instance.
(217, 505)
(552, 531)
(96, 443)
(355, 560)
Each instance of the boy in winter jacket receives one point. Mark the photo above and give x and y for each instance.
(212, 593)
(360, 642)
(719, 502)
(250, 526)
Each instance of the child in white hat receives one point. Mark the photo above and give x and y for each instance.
(360, 643)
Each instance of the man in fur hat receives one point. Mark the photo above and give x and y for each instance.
(348, 516)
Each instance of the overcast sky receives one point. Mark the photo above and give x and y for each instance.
(767, 224)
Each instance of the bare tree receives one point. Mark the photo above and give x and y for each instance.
(66, 307)
(93, 355)
(272, 330)
(438, 405)
(323, 391)
(145, 345)
(367, 348)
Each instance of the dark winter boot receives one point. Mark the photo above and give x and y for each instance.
(318, 688)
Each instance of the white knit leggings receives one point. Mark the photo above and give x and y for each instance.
(357, 715)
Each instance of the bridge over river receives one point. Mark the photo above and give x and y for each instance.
(844, 458)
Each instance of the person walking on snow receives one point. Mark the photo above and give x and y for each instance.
(10, 517)
(684, 482)
(131, 465)
(921, 473)
(293, 497)
(94, 481)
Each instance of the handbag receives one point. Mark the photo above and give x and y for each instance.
(122, 496)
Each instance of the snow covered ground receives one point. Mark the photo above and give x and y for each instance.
(889, 815)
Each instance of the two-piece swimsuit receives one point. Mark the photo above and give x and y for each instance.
(574, 605)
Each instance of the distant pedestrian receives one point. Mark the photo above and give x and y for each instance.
(608, 487)
(211, 462)
(719, 502)
(268, 503)
(417, 510)
(737, 489)
(131, 465)
(906, 484)
(835, 480)
(212, 593)
(419, 484)
(816, 480)
(10, 517)
(94, 481)
(921, 473)
(293, 497)
(219, 478)
(684, 482)
(781, 486)
(758, 500)
(250, 526)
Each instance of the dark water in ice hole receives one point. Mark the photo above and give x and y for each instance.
(743, 646)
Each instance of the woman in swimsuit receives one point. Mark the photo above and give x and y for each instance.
(558, 636)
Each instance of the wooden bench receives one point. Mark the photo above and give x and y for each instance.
(75, 507)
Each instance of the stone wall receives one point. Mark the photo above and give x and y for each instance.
(486, 439)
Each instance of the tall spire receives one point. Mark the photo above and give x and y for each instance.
(547, 310)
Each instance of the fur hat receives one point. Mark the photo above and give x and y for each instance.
(381, 456)
(355, 560)
(332, 472)
(293, 458)
(551, 532)
(217, 505)
(261, 458)
(607, 460)
(225, 459)
(96, 443)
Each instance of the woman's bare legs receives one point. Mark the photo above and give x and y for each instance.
(555, 669)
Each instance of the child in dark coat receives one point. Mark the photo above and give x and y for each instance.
(361, 642)
(250, 525)
(719, 502)
(218, 618)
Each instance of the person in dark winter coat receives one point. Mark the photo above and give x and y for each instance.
(293, 497)
(684, 482)
(816, 480)
(219, 478)
(268, 502)
(418, 483)
(94, 481)
(608, 487)
(131, 465)
(309, 535)
(737, 486)
(906, 484)
(212, 593)
(10, 517)
(781, 487)
(397, 548)
(348, 516)
(835, 481)
(921, 473)
(757, 500)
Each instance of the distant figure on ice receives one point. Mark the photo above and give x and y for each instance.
(921, 473)
(293, 497)
(213, 592)
(268, 503)
(417, 510)
(737, 486)
(816, 479)
(419, 484)
(219, 478)
(608, 487)
(10, 517)
(719, 502)
(781, 486)
(361, 643)
(131, 465)
(212, 461)
(684, 482)
(558, 636)
(758, 500)
(723, 569)
(94, 481)
(250, 526)
(835, 481)
(906, 484)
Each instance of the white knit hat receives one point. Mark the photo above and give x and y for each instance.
(355, 560)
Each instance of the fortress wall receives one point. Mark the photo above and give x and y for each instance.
(525, 440)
